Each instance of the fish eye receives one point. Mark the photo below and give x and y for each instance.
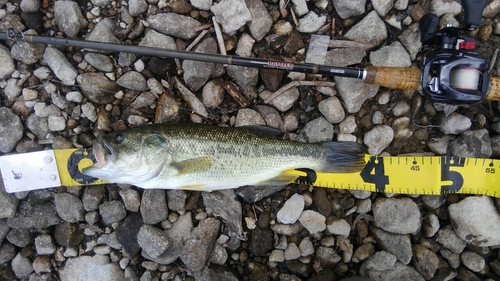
(118, 139)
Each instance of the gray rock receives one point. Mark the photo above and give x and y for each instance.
(154, 206)
(68, 235)
(449, 239)
(12, 90)
(61, 67)
(145, 99)
(441, 7)
(97, 88)
(219, 255)
(332, 110)
(126, 234)
(398, 272)
(381, 260)
(475, 143)
(440, 145)
(347, 8)
(21, 266)
(177, 200)
(100, 61)
(277, 256)
(133, 80)
(465, 219)
(190, 98)
(19, 237)
(197, 73)
(4, 229)
(214, 272)
(311, 22)
(306, 247)
(44, 245)
(354, 92)
(313, 221)
(69, 207)
(231, 15)
(38, 126)
(178, 235)
(410, 38)
(112, 211)
(344, 56)
(109, 240)
(174, 25)
(271, 116)
(430, 225)
(131, 199)
(69, 18)
(137, 7)
(252, 194)
(283, 102)
(103, 32)
(426, 261)
(7, 66)
(8, 201)
(378, 139)
(400, 216)
(157, 40)
(287, 229)
(317, 130)
(152, 240)
(26, 52)
(246, 78)
(7, 252)
(454, 124)
(472, 261)
(248, 117)
(338, 227)
(202, 4)
(261, 21)
(370, 31)
(382, 6)
(327, 257)
(398, 245)
(433, 202)
(56, 123)
(292, 252)
(291, 210)
(223, 203)
(213, 93)
(29, 6)
(393, 55)
(39, 216)
(199, 244)
(87, 267)
(92, 197)
(59, 100)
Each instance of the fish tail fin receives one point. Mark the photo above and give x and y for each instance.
(342, 157)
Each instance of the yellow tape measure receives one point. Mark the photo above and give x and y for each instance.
(424, 175)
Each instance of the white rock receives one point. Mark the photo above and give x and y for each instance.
(291, 210)
(468, 218)
(299, 6)
(201, 4)
(332, 109)
(292, 252)
(56, 123)
(306, 247)
(348, 125)
(455, 124)
(74, 96)
(339, 227)
(378, 139)
(313, 221)
(88, 109)
(277, 256)
(311, 22)
(231, 14)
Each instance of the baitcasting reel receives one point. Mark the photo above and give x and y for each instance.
(449, 74)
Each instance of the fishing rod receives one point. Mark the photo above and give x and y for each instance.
(448, 75)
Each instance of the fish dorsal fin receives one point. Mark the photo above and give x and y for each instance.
(193, 165)
(264, 131)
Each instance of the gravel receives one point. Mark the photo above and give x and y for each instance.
(63, 97)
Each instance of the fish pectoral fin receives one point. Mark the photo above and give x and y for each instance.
(283, 179)
(194, 165)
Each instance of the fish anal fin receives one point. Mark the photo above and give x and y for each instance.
(193, 165)
(282, 179)
(193, 187)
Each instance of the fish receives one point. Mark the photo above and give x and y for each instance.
(207, 158)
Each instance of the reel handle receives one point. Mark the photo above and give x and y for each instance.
(494, 93)
(394, 77)
(473, 10)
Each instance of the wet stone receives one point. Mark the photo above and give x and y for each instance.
(112, 211)
(69, 207)
(154, 206)
(199, 244)
(152, 240)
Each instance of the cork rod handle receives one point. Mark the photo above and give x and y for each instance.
(494, 93)
(393, 77)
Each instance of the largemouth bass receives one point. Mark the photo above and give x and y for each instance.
(203, 157)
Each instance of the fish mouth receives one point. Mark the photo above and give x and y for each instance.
(102, 152)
